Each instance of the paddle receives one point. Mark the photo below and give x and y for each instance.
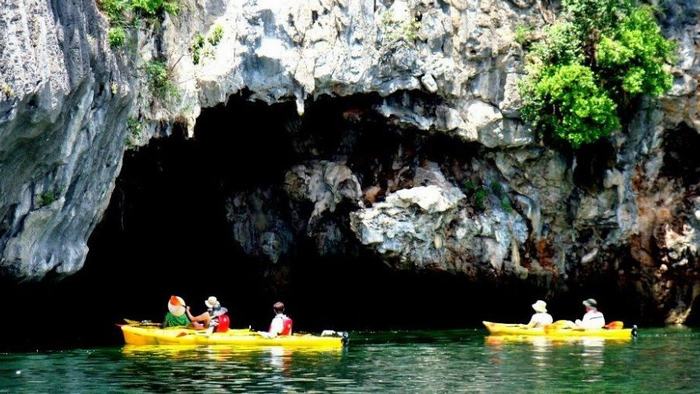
(141, 323)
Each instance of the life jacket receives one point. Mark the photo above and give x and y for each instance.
(286, 325)
(223, 323)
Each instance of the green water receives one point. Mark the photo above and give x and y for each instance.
(661, 360)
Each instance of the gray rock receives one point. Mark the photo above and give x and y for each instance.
(449, 68)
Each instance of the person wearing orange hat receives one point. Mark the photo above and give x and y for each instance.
(176, 317)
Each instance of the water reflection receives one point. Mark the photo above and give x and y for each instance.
(592, 358)
(458, 361)
(547, 354)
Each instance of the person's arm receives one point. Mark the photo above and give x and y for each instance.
(204, 317)
(276, 326)
(532, 322)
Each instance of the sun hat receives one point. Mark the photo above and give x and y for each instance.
(591, 303)
(212, 302)
(176, 306)
(540, 306)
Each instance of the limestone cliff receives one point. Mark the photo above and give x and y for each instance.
(515, 208)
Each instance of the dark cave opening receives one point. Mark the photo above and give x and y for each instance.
(681, 159)
(592, 161)
(165, 233)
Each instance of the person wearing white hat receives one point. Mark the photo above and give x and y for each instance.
(541, 318)
(214, 317)
(175, 317)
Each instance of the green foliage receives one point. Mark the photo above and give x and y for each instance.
(496, 188)
(477, 194)
(567, 101)
(134, 129)
(116, 10)
(523, 34)
(505, 204)
(480, 198)
(399, 30)
(160, 80)
(595, 16)
(116, 36)
(590, 65)
(469, 186)
(153, 7)
(199, 46)
(632, 57)
(216, 35)
(124, 14)
(196, 48)
(48, 197)
(560, 45)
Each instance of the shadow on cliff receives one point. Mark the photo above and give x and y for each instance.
(165, 232)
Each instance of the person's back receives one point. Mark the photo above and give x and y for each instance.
(176, 317)
(593, 317)
(220, 321)
(281, 324)
(541, 318)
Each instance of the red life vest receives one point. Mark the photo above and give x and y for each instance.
(286, 326)
(224, 323)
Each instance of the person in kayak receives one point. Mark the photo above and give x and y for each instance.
(281, 324)
(541, 318)
(593, 318)
(176, 317)
(215, 318)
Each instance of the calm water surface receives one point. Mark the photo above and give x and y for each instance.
(661, 360)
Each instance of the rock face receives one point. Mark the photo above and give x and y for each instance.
(63, 107)
(271, 222)
(427, 227)
(628, 206)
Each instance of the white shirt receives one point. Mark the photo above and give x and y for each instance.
(592, 319)
(277, 324)
(541, 319)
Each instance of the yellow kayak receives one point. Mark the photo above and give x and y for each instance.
(148, 335)
(555, 331)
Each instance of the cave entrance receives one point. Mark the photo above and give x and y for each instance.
(166, 232)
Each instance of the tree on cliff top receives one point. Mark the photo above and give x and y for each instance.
(590, 66)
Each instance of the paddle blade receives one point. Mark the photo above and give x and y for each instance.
(615, 325)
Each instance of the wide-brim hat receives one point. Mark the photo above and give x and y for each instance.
(540, 306)
(212, 302)
(176, 306)
(219, 311)
(591, 303)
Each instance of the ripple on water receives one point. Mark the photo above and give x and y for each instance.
(417, 361)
